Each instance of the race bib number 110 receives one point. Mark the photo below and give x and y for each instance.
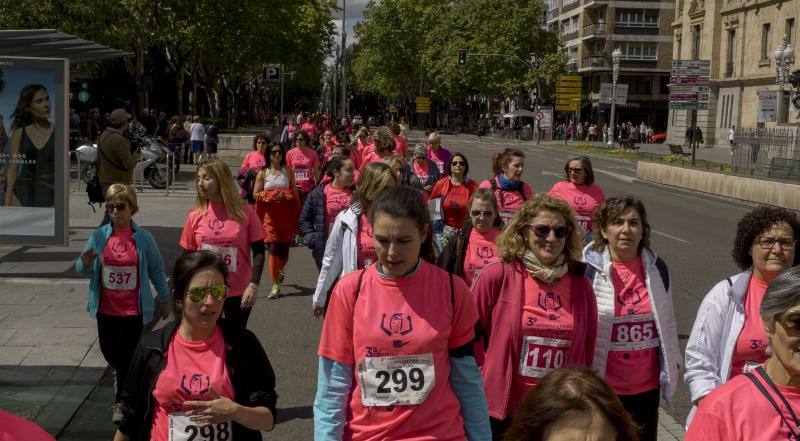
(182, 428)
(541, 355)
(403, 379)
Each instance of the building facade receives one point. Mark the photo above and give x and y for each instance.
(740, 38)
(642, 30)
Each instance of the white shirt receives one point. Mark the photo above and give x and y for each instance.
(274, 182)
(730, 135)
(198, 132)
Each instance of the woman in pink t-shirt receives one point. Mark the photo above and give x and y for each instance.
(400, 143)
(256, 158)
(122, 260)
(365, 142)
(579, 190)
(396, 347)
(221, 222)
(536, 308)
(305, 164)
(509, 189)
(197, 375)
(384, 146)
(763, 404)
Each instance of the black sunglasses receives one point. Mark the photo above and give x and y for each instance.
(112, 207)
(543, 231)
(276, 152)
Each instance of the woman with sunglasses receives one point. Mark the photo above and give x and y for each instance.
(509, 189)
(579, 190)
(221, 222)
(475, 245)
(636, 351)
(197, 376)
(304, 163)
(728, 335)
(395, 355)
(454, 190)
(122, 259)
(536, 308)
(278, 207)
(324, 203)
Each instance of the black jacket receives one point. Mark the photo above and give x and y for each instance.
(248, 367)
(452, 257)
(312, 223)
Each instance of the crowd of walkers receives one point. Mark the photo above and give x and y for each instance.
(451, 309)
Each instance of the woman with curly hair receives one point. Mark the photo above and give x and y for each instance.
(728, 336)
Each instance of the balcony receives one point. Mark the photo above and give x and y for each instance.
(552, 14)
(594, 61)
(569, 35)
(589, 4)
(594, 31)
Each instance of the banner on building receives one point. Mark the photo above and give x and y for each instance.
(767, 106)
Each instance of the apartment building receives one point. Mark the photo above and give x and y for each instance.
(740, 38)
(642, 30)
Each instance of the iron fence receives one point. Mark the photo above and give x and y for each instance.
(768, 153)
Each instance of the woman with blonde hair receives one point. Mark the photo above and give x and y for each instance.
(122, 259)
(536, 308)
(223, 223)
(349, 246)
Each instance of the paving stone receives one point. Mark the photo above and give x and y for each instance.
(35, 267)
(13, 356)
(25, 322)
(23, 310)
(15, 297)
(61, 317)
(6, 334)
(58, 375)
(22, 375)
(94, 358)
(55, 337)
(62, 355)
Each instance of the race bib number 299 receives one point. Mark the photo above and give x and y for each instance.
(397, 380)
(182, 428)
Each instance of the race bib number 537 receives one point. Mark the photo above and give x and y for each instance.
(121, 278)
(403, 379)
(182, 428)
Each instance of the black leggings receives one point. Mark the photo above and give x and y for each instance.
(643, 408)
(235, 315)
(499, 427)
(118, 337)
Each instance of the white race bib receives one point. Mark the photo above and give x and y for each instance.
(634, 333)
(397, 380)
(120, 278)
(227, 253)
(541, 355)
(585, 222)
(506, 216)
(182, 428)
(301, 175)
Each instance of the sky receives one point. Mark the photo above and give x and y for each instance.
(354, 11)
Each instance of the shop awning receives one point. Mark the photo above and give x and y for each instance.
(51, 43)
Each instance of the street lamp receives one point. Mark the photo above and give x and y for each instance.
(784, 57)
(615, 57)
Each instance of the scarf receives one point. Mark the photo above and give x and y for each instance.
(547, 274)
(507, 184)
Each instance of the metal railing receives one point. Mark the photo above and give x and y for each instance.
(594, 61)
(767, 153)
(594, 29)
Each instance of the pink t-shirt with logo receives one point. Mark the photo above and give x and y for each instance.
(481, 251)
(370, 158)
(547, 328)
(303, 161)
(738, 411)
(584, 200)
(422, 171)
(509, 201)
(335, 201)
(633, 365)
(254, 160)
(751, 346)
(310, 129)
(119, 281)
(365, 247)
(440, 158)
(365, 148)
(397, 336)
(400, 146)
(193, 368)
(214, 230)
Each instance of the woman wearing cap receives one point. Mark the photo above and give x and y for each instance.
(426, 171)
(324, 203)
(304, 163)
(509, 189)
(764, 403)
(221, 222)
(454, 190)
(536, 307)
(197, 377)
(579, 190)
(637, 346)
(122, 259)
(728, 336)
(395, 355)
(350, 246)
(436, 153)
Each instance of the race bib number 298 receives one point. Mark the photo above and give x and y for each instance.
(182, 428)
(403, 379)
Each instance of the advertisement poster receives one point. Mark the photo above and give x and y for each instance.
(767, 106)
(33, 151)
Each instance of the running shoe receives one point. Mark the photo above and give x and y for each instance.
(280, 277)
(116, 417)
(276, 292)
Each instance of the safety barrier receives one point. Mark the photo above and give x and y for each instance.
(768, 153)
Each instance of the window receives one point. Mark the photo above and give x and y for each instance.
(730, 52)
(789, 31)
(569, 2)
(569, 26)
(639, 50)
(552, 4)
(637, 18)
(696, 42)
(572, 54)
(766, 37)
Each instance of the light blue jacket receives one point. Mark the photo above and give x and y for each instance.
(150, 268)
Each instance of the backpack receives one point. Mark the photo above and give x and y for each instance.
(212, 134)
(246, 177)
(520, 190)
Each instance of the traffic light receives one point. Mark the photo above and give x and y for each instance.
(462, 57)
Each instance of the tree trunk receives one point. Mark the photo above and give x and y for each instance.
(141, 92)
(193, 93)
(179, 90)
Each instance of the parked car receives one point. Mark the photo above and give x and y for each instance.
(658, 138)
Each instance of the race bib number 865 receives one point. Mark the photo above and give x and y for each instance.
(182, 428)
(403, 379)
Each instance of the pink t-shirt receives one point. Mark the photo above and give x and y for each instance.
(400, 146)
(365, 247)
(193, 368)
(509, 201)
(481, 251)
(335, 202)
(751, 346)
(119, 281)
(737, 411)
(547, 328)
(370, 158)
(440, 158)
(633, 365)
(365, 148)
(214, 230)
(584, 200)
(303, 161)
(254, 159)
(310, 129)
(397, 336)
(422, 171)
(14, 428)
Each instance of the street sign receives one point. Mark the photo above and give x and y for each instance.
(83, 96)
(538, 116)
(690, 63)
(569, 78)
(547, 118)
(688, 105)
(423, 104)
(568, 107)
(271, 74)
(620, 94)
(689, 84)
(688, 89)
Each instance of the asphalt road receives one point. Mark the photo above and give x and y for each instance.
(692, 232)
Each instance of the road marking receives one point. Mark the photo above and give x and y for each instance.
(623, 178)
(669, 236)
(547, 173)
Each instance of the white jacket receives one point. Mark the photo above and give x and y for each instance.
(709, 351)
(340, 253)
(656, 276)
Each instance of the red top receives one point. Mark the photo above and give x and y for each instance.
(751, 346)
(455, 200)
(119, 282)
(584, 200)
